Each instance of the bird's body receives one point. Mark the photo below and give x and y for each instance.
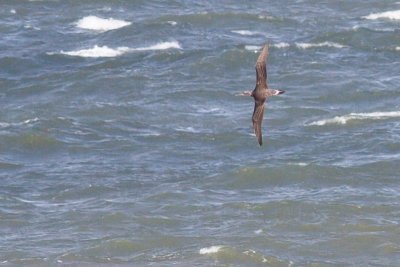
(261, 93)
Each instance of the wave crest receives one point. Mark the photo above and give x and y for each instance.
(160, 46)
(105, 51)
(393, 15)
(356, 116)
(25, 122)
(210, 250)
(298, 45)
(323, 44)
(97, 51)
(99, 24)
(246, 32)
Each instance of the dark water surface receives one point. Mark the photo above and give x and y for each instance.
(122, 141)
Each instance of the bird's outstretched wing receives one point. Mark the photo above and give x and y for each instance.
(258, 115)
(261, 68)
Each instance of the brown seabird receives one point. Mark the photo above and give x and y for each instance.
(260, 93)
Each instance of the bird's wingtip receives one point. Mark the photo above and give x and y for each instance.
(260, 141)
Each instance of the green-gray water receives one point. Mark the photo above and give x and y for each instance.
(122, 141)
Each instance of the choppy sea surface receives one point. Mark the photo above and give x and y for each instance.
(122, 142)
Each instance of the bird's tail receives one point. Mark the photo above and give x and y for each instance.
(279, 92)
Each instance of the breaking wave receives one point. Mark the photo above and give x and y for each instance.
(282, 45)
(246, 32)
(8, 124)
(210, 250)
(356, 116)
(298, 45)
(99, 24)
(97, 51)
(324, 44)
(393, 15)
(105, 51)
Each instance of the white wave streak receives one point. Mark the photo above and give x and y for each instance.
(394, 15)
(324, 44)
(105, 51)
(210, 250)
(258, 232)
(187, 129)
(357, 116)
(253, 48)
(281, 45)
(173, 23)
(256, 48)
(99, 24)
(266, 17)
(246, 32)
(160, 46)
(7, 124)
(97, 51)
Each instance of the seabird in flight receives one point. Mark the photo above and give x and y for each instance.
(260, 93)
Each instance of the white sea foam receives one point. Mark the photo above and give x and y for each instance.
(245, 32)
(250, 252)
(398, 48)
(299, 45)
(7, 124)
(105, 51)
(256, 48)
(28, 26)
(31, 120)
(281, 45)
(188, 130)
(4, 124)
(38, 203)
(301, 164)
(266, 17)
(99, 24)
(258, 232)
(105, 8)
(97, 51)
(394, 15)
(160, 46)
(13, 11)
(214, 110)
(171, 22)
(210, 250)
(253, 48)
(324, 44)
(357, 116)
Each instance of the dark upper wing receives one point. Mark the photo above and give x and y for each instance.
(258, 115)
(261, 68)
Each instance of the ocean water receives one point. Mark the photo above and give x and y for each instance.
(122, 142)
